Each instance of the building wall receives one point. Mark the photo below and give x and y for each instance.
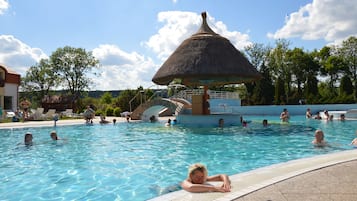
(12, 90)
(2, 89)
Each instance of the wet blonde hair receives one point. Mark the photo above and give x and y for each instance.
(319, 135)
(197, 167)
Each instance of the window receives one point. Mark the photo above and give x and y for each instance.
(8, 102)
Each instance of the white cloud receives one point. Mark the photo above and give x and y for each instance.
(4, 5)
(331, 20)
(17, 55)
(119, 70)
(179, 26)
(122, 70)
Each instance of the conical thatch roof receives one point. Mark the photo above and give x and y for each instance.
(206, 59)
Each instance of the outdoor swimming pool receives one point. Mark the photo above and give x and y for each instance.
(139, 161)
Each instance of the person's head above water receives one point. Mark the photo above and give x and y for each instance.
(28, 139)
(197, 173)
(53, 135)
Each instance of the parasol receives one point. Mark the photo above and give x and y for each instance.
(25, 104)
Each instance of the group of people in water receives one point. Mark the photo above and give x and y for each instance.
(198, 179)
(29, 137)
(326, 114)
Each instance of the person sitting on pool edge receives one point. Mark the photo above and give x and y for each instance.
(319, 139)
(103, 120)
(197, 178)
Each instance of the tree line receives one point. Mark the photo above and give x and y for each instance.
(293, 76)
(289, 76)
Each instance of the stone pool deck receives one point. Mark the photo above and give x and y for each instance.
(331, 177)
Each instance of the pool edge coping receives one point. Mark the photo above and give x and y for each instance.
(267, 176)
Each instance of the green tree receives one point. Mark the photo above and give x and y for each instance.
(333, 66)
(348, 52)
(106, 98)
(264, 90)
(311, 90)
(303, 66)
(123, 100)
(346, 87)
(257, 54)
(39, 80)
(281, 71)
(73, 66)
(279, 97)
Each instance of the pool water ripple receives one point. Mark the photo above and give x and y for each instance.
(138, 161)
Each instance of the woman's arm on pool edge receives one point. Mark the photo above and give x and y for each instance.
(200, 188)
(221, 177)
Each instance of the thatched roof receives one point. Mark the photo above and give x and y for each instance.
(206, 58)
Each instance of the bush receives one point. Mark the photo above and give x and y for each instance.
(109, 111)
(98, 112)
(117, 111)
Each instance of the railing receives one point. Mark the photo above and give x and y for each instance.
(141, 93)
(187, 94)
(136, 95)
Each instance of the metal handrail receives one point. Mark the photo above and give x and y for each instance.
(187, 94)
(131, 100)
(141, 92)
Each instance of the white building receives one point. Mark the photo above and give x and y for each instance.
(9, 89)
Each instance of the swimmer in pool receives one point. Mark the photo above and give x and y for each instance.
(285, 116)
(197, 179)
(319, 139)
(53, 135)
(28, 139)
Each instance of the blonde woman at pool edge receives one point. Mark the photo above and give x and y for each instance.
(197, 178)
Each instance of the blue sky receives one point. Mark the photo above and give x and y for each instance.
(132, 38)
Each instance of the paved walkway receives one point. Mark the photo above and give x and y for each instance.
(58, 123)
(334, 183)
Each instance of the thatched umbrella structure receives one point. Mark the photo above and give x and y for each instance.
(206, 59)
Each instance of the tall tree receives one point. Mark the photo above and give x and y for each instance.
(302, 66)
(346, 87)
(73, 66)
(279, 97)
(277, 61)
(333, 66)
(311, 90)
(257, 54)
(39, 80)
(348, 52)
(264, 90)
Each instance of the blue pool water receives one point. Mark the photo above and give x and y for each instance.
(139, 161)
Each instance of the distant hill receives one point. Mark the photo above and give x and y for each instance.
(98, 94)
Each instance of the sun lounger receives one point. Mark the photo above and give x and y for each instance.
(50, 113)
(68, 113)
(38, 114)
